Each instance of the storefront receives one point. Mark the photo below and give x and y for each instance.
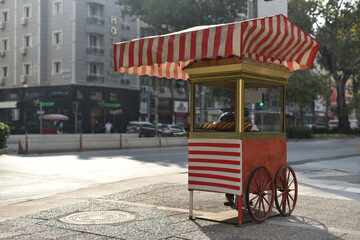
(88, 108)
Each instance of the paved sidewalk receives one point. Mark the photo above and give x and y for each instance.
(157, 208)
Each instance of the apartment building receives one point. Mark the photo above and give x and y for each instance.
(56, 56)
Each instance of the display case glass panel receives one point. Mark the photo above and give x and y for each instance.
(264, 104)
(215, 103)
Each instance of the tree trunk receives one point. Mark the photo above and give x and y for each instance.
(344, 126)
(301, 115)
(327, 107)
(356, 99)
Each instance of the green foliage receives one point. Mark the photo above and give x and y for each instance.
(355, 131)
(175, 15)
(303, 88)
(321, 130)
(298, 132)
(339, 39)
(4, 134)
(304, 13)
(324, 130)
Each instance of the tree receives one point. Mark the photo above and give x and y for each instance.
(175, 15)
(303, 88)
(326, 87)
(355, 101)
(339, 49)
(304, 13)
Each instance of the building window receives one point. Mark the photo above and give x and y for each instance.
(27, 41)
(57, 7)
(5, 71)
(56, 67)
(5, 44)
(5, 16)
(96, 10)
(57, 38)
(27, 69)
(96, 14)
(27, 11)
(96, 72)
(95, 44)
(96, 69)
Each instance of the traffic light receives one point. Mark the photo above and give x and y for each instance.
(261, 104)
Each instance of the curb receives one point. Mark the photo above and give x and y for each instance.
(317, 139)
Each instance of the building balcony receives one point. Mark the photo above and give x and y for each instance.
(95, 20)
(95, 50)
(95, 79)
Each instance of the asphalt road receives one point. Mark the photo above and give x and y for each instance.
(34, 176)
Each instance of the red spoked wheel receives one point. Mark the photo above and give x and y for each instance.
(286, 190)
(260, 194)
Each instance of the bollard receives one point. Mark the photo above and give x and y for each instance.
(80, 142)
(120, 141)
(159, 140)
(239, 206)
(26, 143)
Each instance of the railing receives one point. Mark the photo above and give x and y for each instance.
(95, 20)
(95, 50)
(95, 79)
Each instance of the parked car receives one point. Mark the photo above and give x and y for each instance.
(170, 129)
(144, 129)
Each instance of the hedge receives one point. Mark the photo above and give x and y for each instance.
(4, 134)
(298, 132)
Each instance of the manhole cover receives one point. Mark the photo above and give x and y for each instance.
(99, 217)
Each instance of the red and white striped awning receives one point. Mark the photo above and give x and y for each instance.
(272, 39)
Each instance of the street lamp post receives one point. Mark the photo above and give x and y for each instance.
(41, 113)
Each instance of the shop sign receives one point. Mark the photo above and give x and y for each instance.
(181, 107)
(109, 105)
(8, 104)
(113, 29)
(116, 111)
(143, 108)
(45, 104)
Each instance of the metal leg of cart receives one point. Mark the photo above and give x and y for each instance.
(239, 206)
(191, 204)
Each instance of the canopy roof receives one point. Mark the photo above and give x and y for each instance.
(272, 39)
(54, 117)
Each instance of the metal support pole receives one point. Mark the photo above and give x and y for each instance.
(81, 142)
(191, 206)
(41, 117)
(26, 143)
(76, 117)
(120, 141)
(159, 140)
(156, 114)
(148, 101)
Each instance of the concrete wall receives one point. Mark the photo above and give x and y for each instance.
(86, 142)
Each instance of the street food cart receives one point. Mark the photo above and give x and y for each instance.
(235, 69)
(50, 122)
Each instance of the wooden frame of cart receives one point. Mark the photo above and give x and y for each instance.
(251, 165)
